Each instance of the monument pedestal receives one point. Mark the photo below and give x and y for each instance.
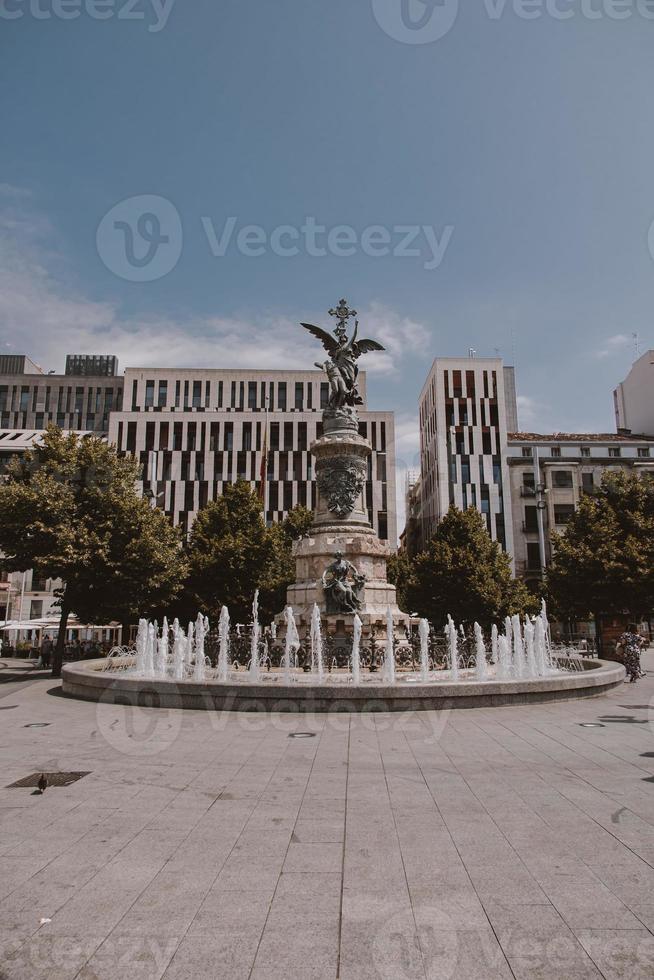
(355, 582)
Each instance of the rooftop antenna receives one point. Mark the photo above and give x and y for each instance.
(472, 352)
(636, 345)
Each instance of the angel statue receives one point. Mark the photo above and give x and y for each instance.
(341, 367)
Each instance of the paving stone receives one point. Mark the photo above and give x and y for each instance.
(484, 843)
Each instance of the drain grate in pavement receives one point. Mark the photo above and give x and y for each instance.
(38, 724)
(591, 724)
(54, 779)
(302, 735)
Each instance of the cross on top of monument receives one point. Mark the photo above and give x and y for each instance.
(342, 314)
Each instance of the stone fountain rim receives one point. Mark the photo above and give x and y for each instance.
(89, 680)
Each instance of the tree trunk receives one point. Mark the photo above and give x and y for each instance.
(58, 652)
(599, 639)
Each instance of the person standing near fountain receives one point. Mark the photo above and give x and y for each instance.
(630, 644)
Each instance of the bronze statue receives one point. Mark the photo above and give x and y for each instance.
(341, 367)
(342, 584)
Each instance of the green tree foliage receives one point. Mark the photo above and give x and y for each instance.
(465, 573)
(231, 553)
(70, 509)
(604, 561)
(400, 573)
(280, 572)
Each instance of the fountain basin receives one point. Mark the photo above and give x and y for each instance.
(91, 681)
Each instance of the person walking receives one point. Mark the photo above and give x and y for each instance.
(630, 646)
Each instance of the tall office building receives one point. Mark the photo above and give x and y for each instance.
(633, 398)
(196, 430)
(466, 408)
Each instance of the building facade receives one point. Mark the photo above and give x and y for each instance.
(30, 399)
(633, 399)
(549, 474)
(466, 408)
(196, 430)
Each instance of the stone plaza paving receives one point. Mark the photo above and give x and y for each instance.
(497, 842)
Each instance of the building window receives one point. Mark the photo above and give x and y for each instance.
(135, 392)
(281, 396)
(130, 444)
(162, 400)
(555, 452)
(191, 436)
(274, 435)
(299, 395)
(302, 436)
(533, 556)
(324, 394)
(563, 513)
(527, 452)
(228, 434)
(247, 436)
(643, 453)
(252, 394)
(562, 479)
(531, 519)
(214, 435)
(615, 452)
(149, 394)
(585, 451)
(197, 394)
(587, 483)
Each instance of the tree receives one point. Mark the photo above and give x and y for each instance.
(231, 553)
(70, 510)
(280, 571)
(400, 573)
(604, 561)
(465, 573)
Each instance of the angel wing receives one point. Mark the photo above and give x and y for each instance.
(329, 343)
(365, 346)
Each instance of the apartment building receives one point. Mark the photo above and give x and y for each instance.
(466, 407)
(549, 475)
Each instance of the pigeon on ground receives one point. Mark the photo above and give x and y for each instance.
(42, 783)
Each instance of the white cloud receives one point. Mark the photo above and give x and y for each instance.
(41, 315)
(617, 342)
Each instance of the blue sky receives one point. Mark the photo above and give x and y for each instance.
(525, 147)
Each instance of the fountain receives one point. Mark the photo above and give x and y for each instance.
(342, 602)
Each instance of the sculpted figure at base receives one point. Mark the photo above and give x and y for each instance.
(342, 584)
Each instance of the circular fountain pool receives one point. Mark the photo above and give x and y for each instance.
(336, 692)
